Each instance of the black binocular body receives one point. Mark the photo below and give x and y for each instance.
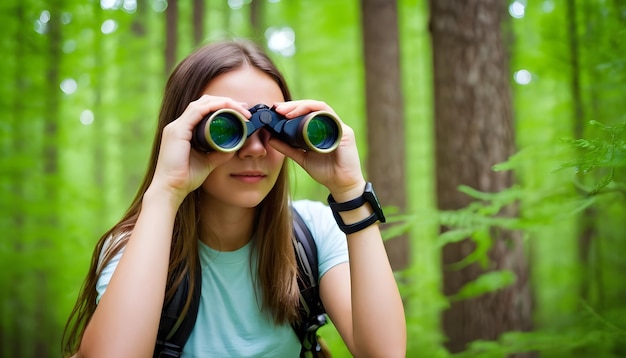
(226, 130)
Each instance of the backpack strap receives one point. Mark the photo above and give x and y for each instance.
(312, 310)
(173, 331)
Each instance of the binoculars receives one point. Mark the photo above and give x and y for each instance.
(226, 130)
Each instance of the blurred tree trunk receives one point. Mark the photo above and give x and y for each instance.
(198, 22)
(16, 175)
(135, 77)
(588, 218)
(99, 109)
(50, 225)
(473, 129)
(256, 19)
(171, 36)
(385, 112)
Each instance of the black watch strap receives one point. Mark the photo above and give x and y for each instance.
(352, 228)
(346, 206)
(368, 196)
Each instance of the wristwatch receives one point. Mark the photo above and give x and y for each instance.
(369, 196)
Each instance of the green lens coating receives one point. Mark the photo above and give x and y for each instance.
(322, 132)
(226, 131)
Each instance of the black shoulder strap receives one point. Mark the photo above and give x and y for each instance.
(312, 311)
(173, 331)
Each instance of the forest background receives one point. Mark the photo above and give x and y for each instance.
(541, 255)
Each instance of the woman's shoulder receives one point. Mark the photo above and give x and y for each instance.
(318, 218)
(330, 241)
(313, 212)
(113, 245)
(305, 206)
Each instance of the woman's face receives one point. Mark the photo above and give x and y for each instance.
(248, 177)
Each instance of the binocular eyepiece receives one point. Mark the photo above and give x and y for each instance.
(226, 130)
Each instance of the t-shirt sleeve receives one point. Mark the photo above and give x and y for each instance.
(107, 272)
(332, 247)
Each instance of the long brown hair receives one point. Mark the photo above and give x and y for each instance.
(276, 267)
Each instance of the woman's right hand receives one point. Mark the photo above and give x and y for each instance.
(181, 169)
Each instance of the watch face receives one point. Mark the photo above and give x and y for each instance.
(371, 197)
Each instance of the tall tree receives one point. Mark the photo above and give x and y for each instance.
(51, 174)
(596, 84)
(171, 35)
(587, 222)
(385, 111)
(198, 21)
(256, 18)
(15, 186)
(473, 131)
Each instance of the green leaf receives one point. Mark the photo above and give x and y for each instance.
(451, 236)
(485, 283)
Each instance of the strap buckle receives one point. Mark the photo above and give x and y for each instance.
(167, 350)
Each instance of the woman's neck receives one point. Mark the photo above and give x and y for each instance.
(226, 228)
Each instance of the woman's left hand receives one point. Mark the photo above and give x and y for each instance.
(340, 171)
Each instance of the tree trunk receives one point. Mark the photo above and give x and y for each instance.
(171, 36)
(473, 129)
(11, 329)
(198, 21)
(256, 19)
(587, 231)
(385, 112)
(50, 155)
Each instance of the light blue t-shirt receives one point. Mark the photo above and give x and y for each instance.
(230, 322)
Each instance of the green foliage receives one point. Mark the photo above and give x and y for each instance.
(606, 156)
(586, 334)
(488, 282)
(600, 329)
(71, 161)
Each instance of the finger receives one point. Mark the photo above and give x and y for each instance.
(299, 108)
(297, 155)
(222, 102)
(207, 104)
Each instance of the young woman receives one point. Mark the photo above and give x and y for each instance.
(231, 213)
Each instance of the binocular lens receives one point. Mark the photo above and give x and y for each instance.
(322, 132)
(226, 131)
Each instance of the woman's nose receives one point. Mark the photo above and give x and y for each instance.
(254, 147)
